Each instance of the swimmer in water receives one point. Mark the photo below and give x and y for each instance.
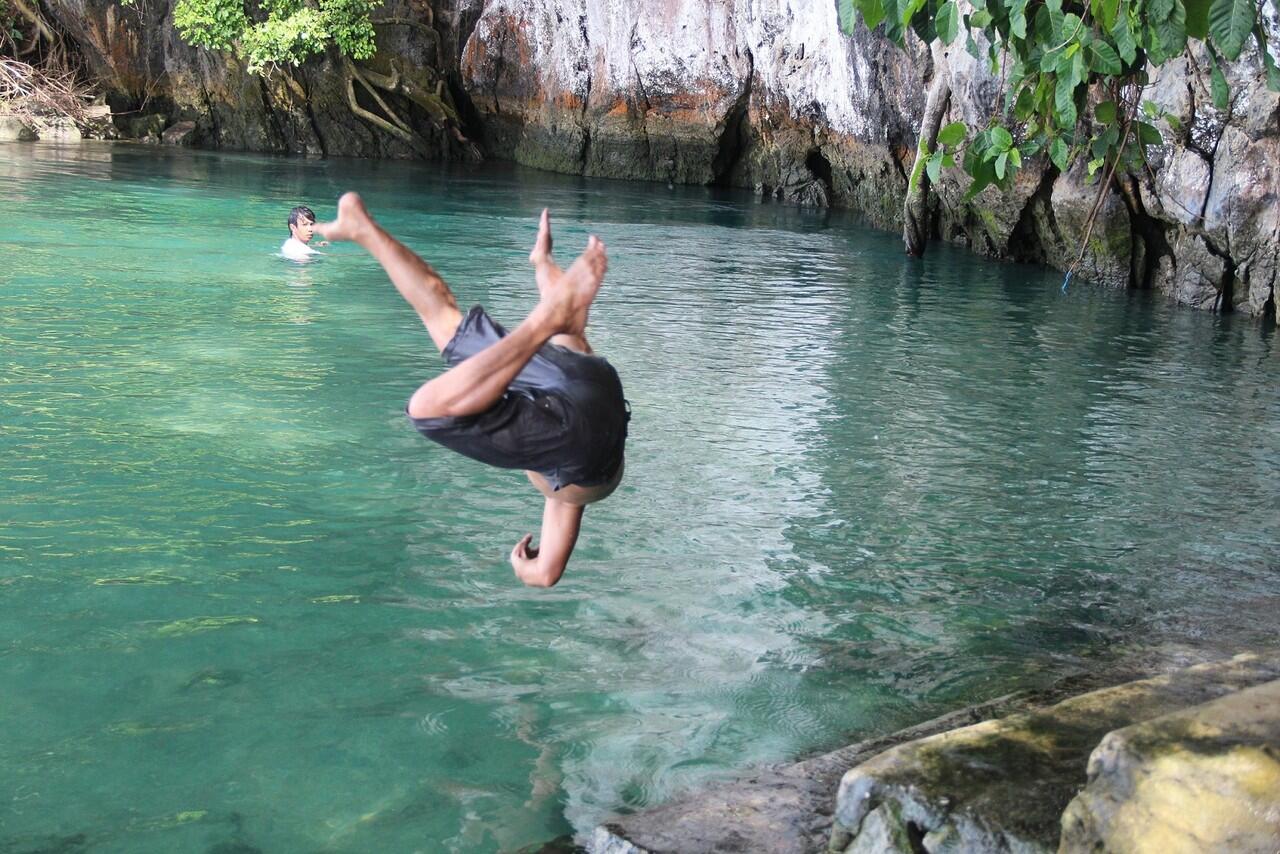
(536, 398)
(302, 222)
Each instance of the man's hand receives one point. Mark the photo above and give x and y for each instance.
(524, 560)
(542, 565)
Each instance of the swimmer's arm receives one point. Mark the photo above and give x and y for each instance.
(542, 566)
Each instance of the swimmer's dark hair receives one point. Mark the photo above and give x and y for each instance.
(298, 213)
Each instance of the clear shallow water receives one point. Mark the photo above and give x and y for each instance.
(242, 602)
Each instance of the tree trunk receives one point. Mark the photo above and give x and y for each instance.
(915, 210)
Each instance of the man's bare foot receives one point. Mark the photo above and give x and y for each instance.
(542, 243)
(570, 294)
(353, 220)
(545, 270)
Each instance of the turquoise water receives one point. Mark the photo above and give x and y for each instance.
(243, 603)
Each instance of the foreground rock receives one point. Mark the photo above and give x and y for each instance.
(1003, 785)
(998, 777)
(780, 810)
(1205, 779)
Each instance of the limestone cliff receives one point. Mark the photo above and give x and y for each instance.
(769, 94)
(763, 94)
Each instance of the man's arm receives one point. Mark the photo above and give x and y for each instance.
(542, 566)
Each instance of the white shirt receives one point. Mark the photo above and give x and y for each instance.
(295, 250)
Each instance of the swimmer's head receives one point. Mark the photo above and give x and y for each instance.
(302, 221)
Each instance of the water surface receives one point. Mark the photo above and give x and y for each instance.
(242, 602)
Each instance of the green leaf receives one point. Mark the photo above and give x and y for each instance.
(1218, 86)
(1229, 23)
(1054, 8)
(1154, 46)
(1001, 139)
(953, 134)
(909, 9)
(1148, 135)
(1096, 164)
(980, 19)
(934, 167)
(1058, 154)
(1158, 10)
(1122, 34)
(948, 161)
(845, 13)
(1103, 58)
(1015, 157)
(1197, 18)
(1109, 9)
(1065, 90)
(1102, 143)
(1105, 112)
(1025, 104)
(1018, 18)
(1173, 30)
(1001, 162)
(1043, 26)
(947, 22)
(872, 12)
(971, 47)
(1273, 73)
(923, 26)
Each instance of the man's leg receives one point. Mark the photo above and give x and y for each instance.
(477, 383)
(420, 285)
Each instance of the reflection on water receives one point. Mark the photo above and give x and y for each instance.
(247, 604)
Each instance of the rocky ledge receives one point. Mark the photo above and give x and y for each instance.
(1184, 761)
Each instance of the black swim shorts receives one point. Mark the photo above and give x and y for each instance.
(563, 416)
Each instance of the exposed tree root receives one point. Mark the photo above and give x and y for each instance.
(436, 104)
(915, 209)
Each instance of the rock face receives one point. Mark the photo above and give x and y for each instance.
(763, 94)
(771, 95)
